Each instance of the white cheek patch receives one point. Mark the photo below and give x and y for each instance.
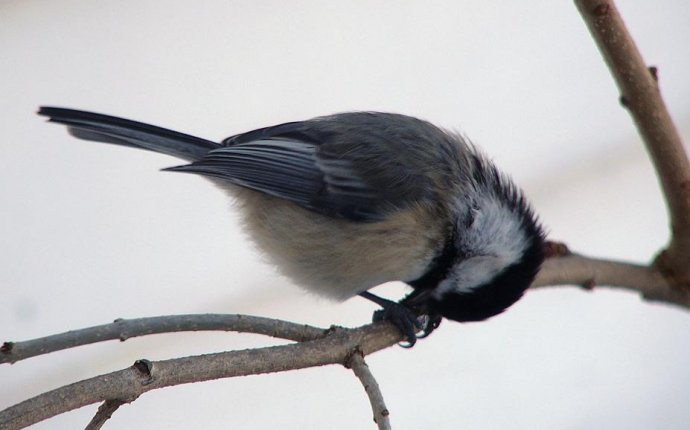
(494, 240)
(496, 231)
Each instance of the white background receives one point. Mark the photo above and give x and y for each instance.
(94, 232)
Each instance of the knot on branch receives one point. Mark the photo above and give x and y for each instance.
(145, 368)
(601, 10)
(7, 347)
(350, 357)
(554, 249)
(679, 280)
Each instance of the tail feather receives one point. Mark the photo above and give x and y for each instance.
(109, 129)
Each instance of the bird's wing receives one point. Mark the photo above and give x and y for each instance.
(336, 173)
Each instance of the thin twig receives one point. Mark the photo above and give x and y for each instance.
(335, 348)
(123, 329)
(378, 406)
(105, 411)
(640, 94)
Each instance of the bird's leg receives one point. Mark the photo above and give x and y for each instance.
(406, 319)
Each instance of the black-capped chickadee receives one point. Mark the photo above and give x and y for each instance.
(345, 202)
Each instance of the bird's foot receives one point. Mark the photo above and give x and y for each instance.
(407, 320)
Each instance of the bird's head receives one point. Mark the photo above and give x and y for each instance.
(495, 250)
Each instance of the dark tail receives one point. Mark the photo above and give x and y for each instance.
(110, 129)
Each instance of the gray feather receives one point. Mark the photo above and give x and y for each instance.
(109, 129)
(359, 165)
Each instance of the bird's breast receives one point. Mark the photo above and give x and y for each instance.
(338, 258)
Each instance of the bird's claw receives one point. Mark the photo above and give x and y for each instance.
(404, 319)
(408, 322)
(431, 323)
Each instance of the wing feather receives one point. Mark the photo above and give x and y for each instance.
(338, 166)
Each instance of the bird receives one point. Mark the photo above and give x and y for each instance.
(345, 202)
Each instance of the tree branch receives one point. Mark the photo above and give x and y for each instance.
(378, 406)
(105, 411)
(123, 329)
(573, 269)
(127, 384)
(640, 94)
